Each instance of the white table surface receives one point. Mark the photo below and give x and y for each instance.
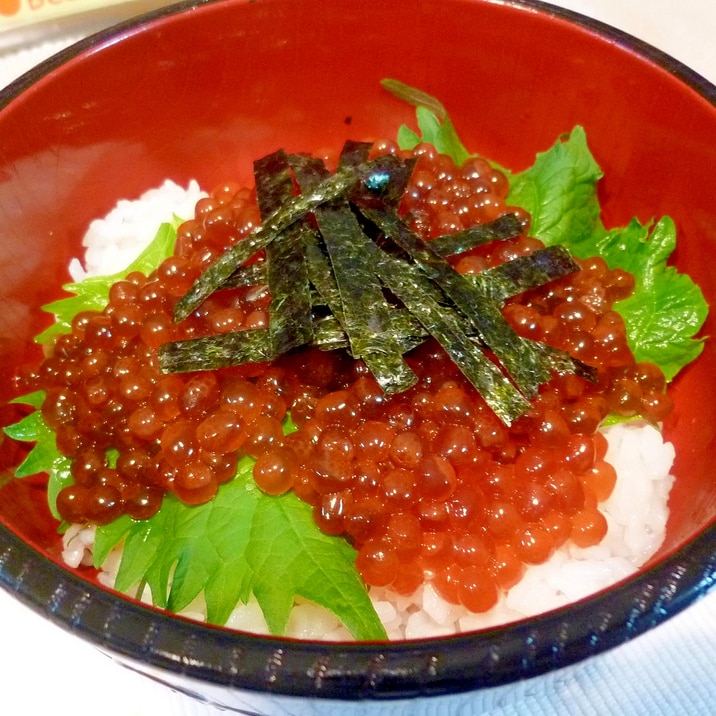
(670, 670)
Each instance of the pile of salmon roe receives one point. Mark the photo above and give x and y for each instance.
(425, 484)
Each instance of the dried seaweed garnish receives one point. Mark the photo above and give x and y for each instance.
(387, 188)
(364, 313)
(504, 227)
(290, 320)
(274, 182)
(320, 271)
(526, 366)
(407, 330)
(345, 271)
(354, 153)
(250, 275)
(334, 186)
(561, 362)
(506, 280)
(214, 352)
(525, 272)
(252, 346)
(446, 325)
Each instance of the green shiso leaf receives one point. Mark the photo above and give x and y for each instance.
(292, 557)
(434, 123)
(34, 400)
(32, 428)
(92, 293)
(44, 456)
(242, 541)
(667, 309)
(407, 138)
(559, 191)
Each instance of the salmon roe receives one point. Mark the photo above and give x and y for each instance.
(425, 484)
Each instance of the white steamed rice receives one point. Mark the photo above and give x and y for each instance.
(636, 511)
(112, 243)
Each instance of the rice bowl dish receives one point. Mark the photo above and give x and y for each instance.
(636, 451)
(550, 601)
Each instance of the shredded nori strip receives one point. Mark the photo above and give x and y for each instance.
(562, 362)
(502, 228)
(526, 366)
(274, 183)
(386, 188)
(444, 323)
(249, 275)
(364, 313)
(506, 280)
(290, 311)
(214, 352)
(250, 346)
(525, 272)
(354, 153)
(320, 272)
(407, 330)
(334, 186)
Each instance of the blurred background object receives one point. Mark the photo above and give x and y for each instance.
(33, 30)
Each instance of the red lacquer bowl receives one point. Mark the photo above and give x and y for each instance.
(199, 91)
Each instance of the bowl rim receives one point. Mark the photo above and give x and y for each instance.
(349, 671)
(621, 38)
